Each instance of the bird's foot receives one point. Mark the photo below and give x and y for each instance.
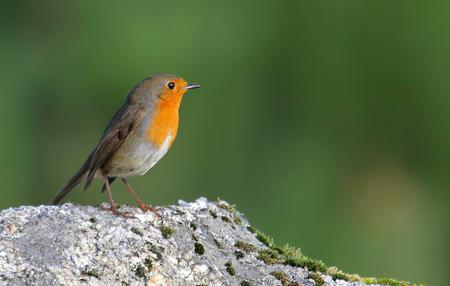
(148, 208)
(113, 208)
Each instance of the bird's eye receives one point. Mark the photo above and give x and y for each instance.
(171, 85)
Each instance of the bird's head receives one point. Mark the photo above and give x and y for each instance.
(165, 87)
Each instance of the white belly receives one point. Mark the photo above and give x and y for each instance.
(136, 158)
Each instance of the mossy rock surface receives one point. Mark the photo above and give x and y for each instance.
(189, 244)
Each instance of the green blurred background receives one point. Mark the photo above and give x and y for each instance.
(325, 122)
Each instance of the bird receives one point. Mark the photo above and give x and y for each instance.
(138, 135)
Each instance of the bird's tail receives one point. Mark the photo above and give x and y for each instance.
(72, 183)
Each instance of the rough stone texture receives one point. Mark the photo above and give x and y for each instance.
(83, 245)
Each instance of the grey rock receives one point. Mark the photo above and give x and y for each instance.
(190, 244)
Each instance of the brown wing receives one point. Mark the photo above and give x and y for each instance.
(125, 121)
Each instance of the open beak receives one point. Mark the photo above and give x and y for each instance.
(192, 86)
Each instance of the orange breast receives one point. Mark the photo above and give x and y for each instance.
(164, 120)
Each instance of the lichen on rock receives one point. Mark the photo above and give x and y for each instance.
(190, 244)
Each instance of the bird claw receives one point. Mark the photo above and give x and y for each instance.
(148, 208)
(115, 211)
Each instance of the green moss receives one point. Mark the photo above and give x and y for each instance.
(340, 276)
(266, 240)
(337, 274)
(291, 251)
(199, 248)
(294, 283)
(230, 269)
(237, 220)
(166, 231)
(245, 283)
(311, 264)
(270, 256)
(140, 271)
(137, 231)
(292, 256)
(281, 276)
(225, 219)
(287, 254)
(245, 246)
(231, 209)
(317, 278)
(193, 226)
(149, 264)
(158, 250)
(91, 272)
(213, 213)
(392, 282)
(386, 281)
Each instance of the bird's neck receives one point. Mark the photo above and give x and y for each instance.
(164, 122)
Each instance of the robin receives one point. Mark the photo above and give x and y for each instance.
(137, 137)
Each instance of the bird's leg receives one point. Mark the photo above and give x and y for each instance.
(110, 181)
(113, 207)
(140, 203)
